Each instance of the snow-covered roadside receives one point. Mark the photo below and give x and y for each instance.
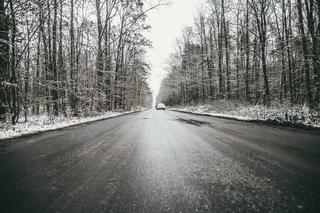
(296, 115)
(36, 124)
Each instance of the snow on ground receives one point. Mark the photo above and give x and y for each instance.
(43, 123)
(280, 113)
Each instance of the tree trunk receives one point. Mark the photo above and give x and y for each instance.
(107, 52)
(54, 60)
(4, 61)
(26, 78)
(226, 46)
(306, 66)
(13, 79)
(72, 90)
(247, 50)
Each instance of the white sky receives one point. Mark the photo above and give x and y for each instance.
(167, 23)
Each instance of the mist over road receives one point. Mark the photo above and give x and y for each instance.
(162, 161)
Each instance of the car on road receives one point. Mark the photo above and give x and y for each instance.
(161, 106)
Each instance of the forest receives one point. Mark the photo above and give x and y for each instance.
(72, 57)
(261, 52)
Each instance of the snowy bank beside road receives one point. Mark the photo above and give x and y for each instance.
(277, 113)
(36, 124)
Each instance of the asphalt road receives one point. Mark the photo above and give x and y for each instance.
(162, 161)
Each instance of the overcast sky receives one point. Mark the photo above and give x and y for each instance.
(167, 23)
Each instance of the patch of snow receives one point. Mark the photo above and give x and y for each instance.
(298, 114)
(43, 123)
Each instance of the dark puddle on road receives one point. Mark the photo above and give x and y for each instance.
(194, 122)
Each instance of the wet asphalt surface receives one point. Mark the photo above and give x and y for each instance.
(162, 161)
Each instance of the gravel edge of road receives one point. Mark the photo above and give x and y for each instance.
(3, 140)
(273, 123)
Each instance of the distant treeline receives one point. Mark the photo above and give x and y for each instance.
(72, 57)
(254, 51)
